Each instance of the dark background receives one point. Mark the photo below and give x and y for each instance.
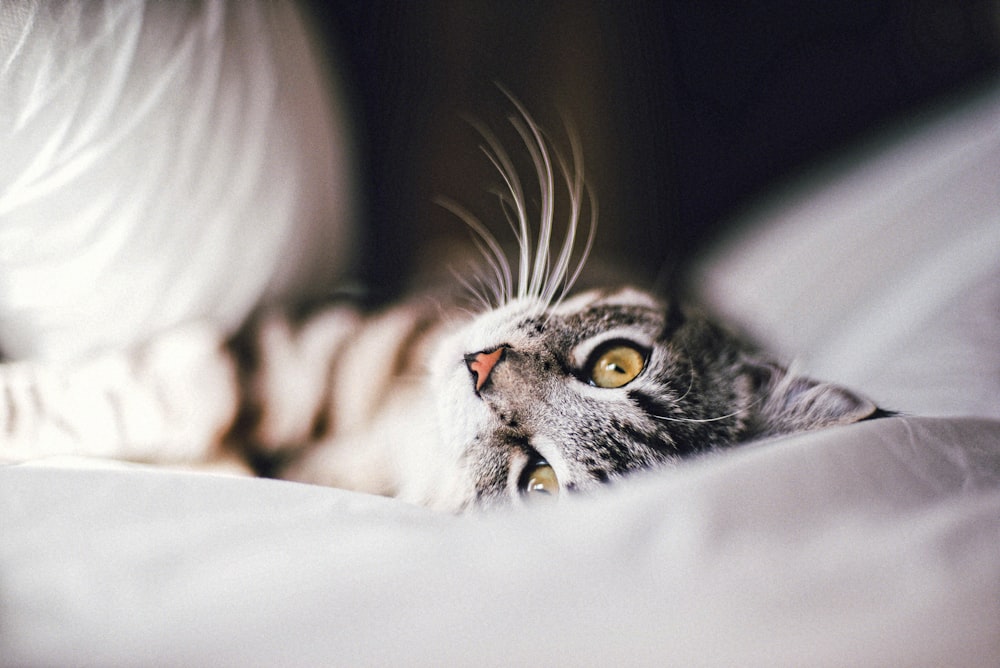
(686, 110)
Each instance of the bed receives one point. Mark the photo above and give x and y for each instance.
(872, 544)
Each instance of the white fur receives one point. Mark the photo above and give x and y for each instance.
(166, 402)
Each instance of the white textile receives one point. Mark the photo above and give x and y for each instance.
(162, 162)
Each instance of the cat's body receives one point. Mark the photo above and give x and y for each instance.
(457, 410)
(540, 392)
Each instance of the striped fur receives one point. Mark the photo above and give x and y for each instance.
(426, 400)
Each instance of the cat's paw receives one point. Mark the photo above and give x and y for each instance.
(166, 401)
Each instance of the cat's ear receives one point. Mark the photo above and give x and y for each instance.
(797, 403)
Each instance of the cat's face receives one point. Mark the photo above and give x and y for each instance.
(534, 402)
(539, 396)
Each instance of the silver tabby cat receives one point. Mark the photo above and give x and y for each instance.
(539, 393)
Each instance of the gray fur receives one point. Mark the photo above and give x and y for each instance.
(401, 402)
(462, 436)
(702, 389)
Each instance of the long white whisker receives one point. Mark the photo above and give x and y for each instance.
(473, 290)
(501, 161)
(487, 245)
(543, 274)
(587, 247)
(535, 145)
(739, 411)
(574, 185)
(497, 286)
(572, 173)
(700, 420)
(509, 209)
(689, 388)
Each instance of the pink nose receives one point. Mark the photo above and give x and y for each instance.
(482, 363)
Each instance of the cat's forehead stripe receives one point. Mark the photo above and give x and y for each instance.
(601, 317)
(625, 296)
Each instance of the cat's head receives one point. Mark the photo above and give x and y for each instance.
(543, 394)
(536, 401)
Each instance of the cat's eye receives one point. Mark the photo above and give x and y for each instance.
(539, 480)
(615, 365)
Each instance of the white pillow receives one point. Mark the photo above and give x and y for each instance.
(883, 270)
(162, 162)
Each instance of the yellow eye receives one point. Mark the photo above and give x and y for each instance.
(617, 365)
(539, 480)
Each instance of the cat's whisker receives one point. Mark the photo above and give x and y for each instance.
(496, 286)
(490, 290)
(471, 290)
(451, 320)
(535, 144)
(503, 164)
(488, 246)
(572, 173)
(573, 183)
(543, 275)
(474, 291)
(446, 314)
(701, 420)
(508, 207)
(689, 387)
(691, 375)
(736, 413)
(588, 245)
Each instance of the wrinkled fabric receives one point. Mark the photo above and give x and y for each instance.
(872, 544)
(162, 162)
(882, 269)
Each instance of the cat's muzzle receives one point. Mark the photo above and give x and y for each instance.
(481, 364)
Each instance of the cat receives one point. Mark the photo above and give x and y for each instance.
(538, 392)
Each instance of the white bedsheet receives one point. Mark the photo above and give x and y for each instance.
(882, 271)
(874, 544)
